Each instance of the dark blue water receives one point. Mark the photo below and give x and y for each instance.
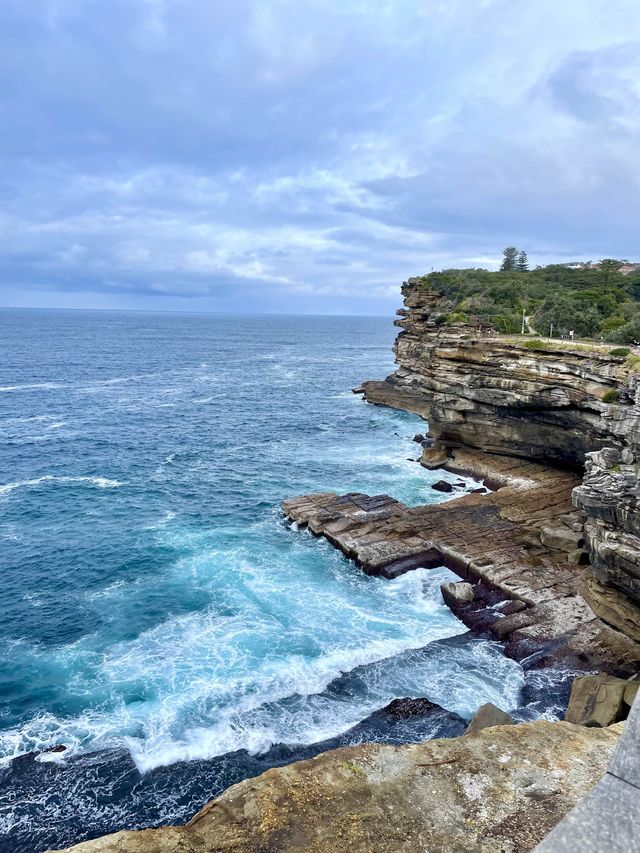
(159, 617)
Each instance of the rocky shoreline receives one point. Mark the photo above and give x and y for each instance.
(517, 545)
(549, 566)
(502, 788)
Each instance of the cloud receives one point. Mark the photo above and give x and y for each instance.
(287, 156)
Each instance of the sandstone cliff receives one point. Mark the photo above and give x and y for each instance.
(535, 399)
(542, 401)
(501, 789)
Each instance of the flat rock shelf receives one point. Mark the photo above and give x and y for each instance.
(496, 540)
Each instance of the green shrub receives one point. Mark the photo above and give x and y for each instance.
(534, 345)
(632, 363)
(610, 396)
(623, 352)
(591, 301)
(456, 317)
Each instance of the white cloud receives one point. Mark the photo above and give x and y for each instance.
(325, 149)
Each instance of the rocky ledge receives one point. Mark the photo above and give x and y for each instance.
(503, 789)
(520, 546)
(541, 400)
(576, 406)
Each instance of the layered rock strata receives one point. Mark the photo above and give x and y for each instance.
(542, 401)
(539, 400)
(503, 788)
(516, 540)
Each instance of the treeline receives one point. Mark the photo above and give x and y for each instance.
(597, 302)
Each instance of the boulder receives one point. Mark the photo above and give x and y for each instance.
(486, 717)
(627, 457)
(456, 594)
(502, 789)
(404, 709)
(561, 538)
(598, 700)
(442, 486)
(418, 438)
(514, 606)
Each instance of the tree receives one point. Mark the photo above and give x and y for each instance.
(609, 267)
(566, 314)
(509, 259)
(627, 334)
(522, 263)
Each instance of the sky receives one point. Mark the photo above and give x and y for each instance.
(307, 156)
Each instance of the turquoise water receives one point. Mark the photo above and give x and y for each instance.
(154, 601)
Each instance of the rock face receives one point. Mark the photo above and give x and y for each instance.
(600, 700)
(497, 394)
(539, 400)
(609, 495)
(502, 789)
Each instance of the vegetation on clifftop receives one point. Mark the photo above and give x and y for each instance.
(594, 302)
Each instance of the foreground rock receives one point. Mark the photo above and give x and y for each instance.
(457, 594)
(600, 700)
(502, 789)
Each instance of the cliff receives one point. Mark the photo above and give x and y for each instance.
(553, 554)
(536, 399)
(540, 400)
(501, 789)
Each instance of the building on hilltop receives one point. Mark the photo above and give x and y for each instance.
(627, 268)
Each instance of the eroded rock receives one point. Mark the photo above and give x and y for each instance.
(598, 700)
(457, 594)
(487, 716)
(502, 789)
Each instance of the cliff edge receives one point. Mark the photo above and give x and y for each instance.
(572, 405)
(501, 789)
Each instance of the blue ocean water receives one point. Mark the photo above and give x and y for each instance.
(158, 616)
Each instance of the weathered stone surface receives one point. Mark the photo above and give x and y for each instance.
(502, 789)
(486, 717)
(457, 594)
(605, 820)
(499, 395)
(611, 605)
(597, 700)
(625, 762)
(559, 537)
(494, 539)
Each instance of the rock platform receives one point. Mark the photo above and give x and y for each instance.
(519, 541)
(503, 789)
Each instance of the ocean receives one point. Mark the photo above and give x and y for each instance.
(158, 616)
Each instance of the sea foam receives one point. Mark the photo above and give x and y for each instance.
(100, 482)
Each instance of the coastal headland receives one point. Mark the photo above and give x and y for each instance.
(548, 556)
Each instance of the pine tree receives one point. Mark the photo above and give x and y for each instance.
(609, 267)
(523, 262)
(510, 256)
